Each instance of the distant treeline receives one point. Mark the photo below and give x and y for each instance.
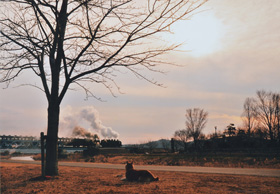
(235, 143)
(260, 129)
(231, 140)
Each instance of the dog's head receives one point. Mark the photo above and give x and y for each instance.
(129, 166)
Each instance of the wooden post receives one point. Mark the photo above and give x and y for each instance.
(43, 154)
(172, 145)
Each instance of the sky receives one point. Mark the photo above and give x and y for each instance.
(231, 50)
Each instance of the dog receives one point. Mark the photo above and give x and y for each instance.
(138, 175)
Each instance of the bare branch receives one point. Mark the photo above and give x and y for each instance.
(83, 40)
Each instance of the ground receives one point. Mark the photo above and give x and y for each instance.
(25, 178)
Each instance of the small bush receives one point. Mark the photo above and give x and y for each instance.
(100, 158)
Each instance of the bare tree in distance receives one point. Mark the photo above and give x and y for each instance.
(66, 42)
(267, 112)
(196, 120)
(261, 114)
(182, 136)
(249, 115)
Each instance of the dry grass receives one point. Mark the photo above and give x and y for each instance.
(191, 160)
(24, 178)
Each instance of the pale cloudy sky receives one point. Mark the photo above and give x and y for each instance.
(234, 51)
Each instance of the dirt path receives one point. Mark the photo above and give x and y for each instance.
(204, 170)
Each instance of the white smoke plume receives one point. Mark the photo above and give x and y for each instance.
(91, 115)
(73, 119)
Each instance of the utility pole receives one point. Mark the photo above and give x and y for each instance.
(215, 131)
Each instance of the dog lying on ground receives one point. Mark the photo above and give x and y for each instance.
(138, 175)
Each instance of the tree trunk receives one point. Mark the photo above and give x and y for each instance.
(249, 126)
(52, 139)
(270, 132)
(195, 143)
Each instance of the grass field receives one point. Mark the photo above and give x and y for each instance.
(25, 178)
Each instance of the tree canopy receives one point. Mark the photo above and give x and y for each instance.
(84, 40)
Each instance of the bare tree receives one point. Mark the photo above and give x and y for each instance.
(266, 111)
(249, 114)
(196, 120)
(66, 42)
(182, 137)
